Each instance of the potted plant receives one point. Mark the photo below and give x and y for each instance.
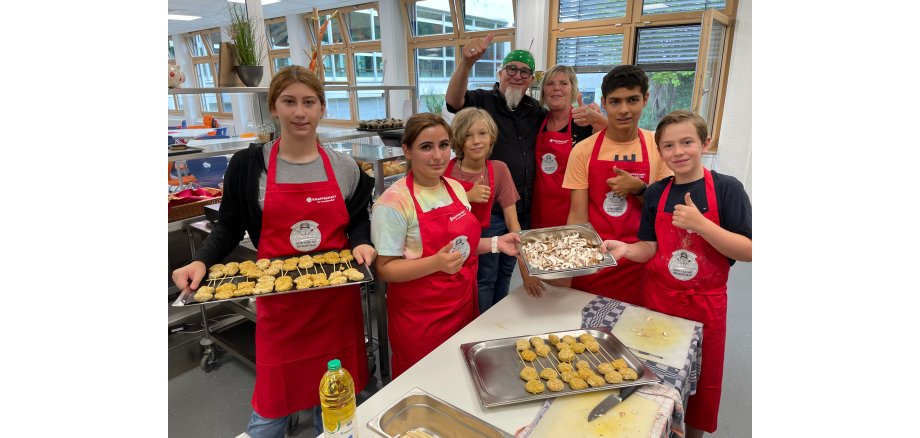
(249, 50)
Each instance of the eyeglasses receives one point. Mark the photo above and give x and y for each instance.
(513, 71)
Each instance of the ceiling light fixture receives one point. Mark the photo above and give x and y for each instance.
(182, 17)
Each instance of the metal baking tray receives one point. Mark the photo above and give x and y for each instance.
(188, 298)
(421, 411)
(495, 367)
(585, 231)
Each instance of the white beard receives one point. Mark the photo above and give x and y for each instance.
(513, 97)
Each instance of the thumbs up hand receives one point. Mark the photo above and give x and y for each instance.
(588, 115)
(688, 217)
(474, 50)
(623, 183)
(480, 192)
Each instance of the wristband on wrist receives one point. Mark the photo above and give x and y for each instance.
(494, 244)
(642, 190)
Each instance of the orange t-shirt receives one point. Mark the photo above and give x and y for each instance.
(576, 172)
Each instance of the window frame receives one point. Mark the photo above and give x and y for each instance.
(211, 60)
(630, 25)
(276, 53)
(347, 48)
(174, 97)
(458, 38)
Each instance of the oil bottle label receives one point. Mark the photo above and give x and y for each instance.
(343, 429)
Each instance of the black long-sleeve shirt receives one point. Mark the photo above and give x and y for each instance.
(240, 211)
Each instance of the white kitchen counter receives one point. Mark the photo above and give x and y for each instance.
(444, 374)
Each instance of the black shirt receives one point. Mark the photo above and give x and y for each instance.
(517, 139)
(734, 204)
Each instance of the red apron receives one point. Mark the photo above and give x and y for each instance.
(483, 212)
(617, 218)
(688, 278)
(425, 312)
(551, 202)
(296, 335)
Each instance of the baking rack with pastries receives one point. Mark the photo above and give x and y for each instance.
(267, 277)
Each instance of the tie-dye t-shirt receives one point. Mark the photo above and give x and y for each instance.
(394, 223)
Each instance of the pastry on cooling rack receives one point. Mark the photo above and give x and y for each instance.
(548, 374)
(555, 385)
(204, 293)
(613, 377)
(535, 386)
(529, 373)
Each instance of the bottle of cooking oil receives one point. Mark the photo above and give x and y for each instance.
(337, 398)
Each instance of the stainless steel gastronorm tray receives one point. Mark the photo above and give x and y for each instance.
(585, 231)
(424, 412)
(189, 297)
(495, 367)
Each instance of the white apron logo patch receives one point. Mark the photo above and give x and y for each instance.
(305, 236)
(683, 265)
(321, 200)
(462, 245)
(614, 204)
(549, 164)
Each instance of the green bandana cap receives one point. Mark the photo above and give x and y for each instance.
(520, 56)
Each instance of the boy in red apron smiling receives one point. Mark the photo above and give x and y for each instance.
(608, 173)
(429, 246)
(694, 226)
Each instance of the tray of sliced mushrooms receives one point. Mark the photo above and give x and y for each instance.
(269, 277)
(563, 251)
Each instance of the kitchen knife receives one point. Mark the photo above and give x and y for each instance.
(610, 401)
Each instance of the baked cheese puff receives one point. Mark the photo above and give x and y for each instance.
(354, 274)
(536, 341)
(522, 344)
(263, 263)
(542, 350)
(578, 383)
(613, 377)
(578, 347)
(554, 385)
(214, 275)
(535, 386)
(585, 338)
(564, 366)
(604, 368)
(216, 267)
(567, 376)
(582, 364)
(204, 293)
(619, 364)
(568, 339)
(553, 339)
(595, 381)
(284, 283)
(338, 280)
(566, 355)
(629, 374)
(528, 355)
(548, 373)
(529, 373)
(593, 346)
(584, 373)
(321, 282)
(263, 288)
(292, 261)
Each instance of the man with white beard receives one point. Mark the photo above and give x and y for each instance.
(516, 114)
(518, 118)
